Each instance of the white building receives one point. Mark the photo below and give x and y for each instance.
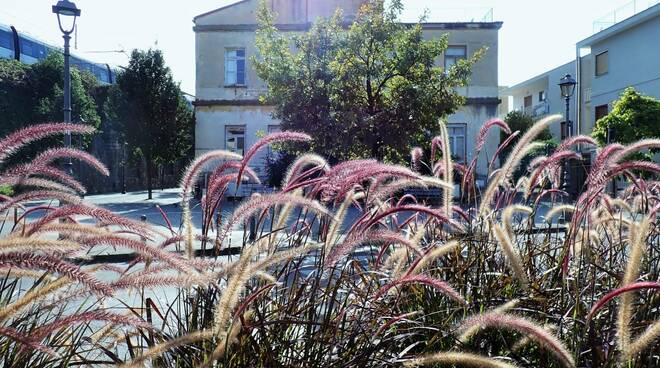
(229, 114)
(624, 54)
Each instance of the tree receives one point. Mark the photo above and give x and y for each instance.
(633, 118)
(368, 89)
(155, 119)
(31, 94)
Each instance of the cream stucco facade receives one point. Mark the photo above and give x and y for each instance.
(227, 91)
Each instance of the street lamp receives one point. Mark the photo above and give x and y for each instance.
(67, 12)
(567, 86)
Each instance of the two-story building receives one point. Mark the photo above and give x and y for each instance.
(622, 54)
(230, 116)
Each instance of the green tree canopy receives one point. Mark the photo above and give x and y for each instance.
(368, 89)
(155, 118)
(31, 94)
(634, 117)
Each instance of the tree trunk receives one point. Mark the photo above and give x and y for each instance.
(149, 176)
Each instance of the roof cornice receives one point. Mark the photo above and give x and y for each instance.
(306, 26)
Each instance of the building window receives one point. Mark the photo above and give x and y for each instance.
(601, 112)
(235, 138)
(453, 54)
(235, 67)
(457, 141)
(542, 96)
(602, 63)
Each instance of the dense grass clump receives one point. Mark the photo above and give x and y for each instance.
(342, 268)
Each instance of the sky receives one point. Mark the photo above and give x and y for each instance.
(537, 35)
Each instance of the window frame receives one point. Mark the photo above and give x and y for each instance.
(542, 96)
(452, 140)
(228, 127)
(235, 59)
(607, 56)
(456, 58)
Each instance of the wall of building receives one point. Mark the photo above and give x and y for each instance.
(555, 104)
(219, 106)
(633, 61)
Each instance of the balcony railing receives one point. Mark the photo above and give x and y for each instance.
(537, 110)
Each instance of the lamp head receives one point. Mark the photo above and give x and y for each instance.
(567, 85)
(68, 12)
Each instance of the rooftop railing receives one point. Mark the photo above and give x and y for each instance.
(621, 13)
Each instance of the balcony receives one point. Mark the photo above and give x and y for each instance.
(537, 110)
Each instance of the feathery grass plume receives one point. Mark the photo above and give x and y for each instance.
(512, 255)
(39, 183)
(439, 285)
(66, 321)
(48, 156)
(97, 213)
(187, 182)
(509, 212)
(255, 204)
(388, 189)
(281, 256)
(645, 339)
(625, 289)
(18, 139)
(71, 228)
(13, 244)
(300, 163)
(270, 139)
(26, 341)
(522, 148)
(369, 172)
(431, 256)
(410, 208)
(151, 280)
(460, 359)
(448, 174)
(552, 161)
(502, 147)
(652, 143)
(50, 172)
(36, 195)
(481, 141)
(352, 241)
(159, 349)
(526, 340)
(637, 239)
(338, 220)
(557, 210)
(53, 264)
(34, 295)
(525, 327)
(416, 158)
(633, 165)
(143, 249)
(469, 332)
(284, 214)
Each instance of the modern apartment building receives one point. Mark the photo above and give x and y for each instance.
(622, 54)
(229, 114)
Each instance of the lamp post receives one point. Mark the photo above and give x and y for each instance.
(67, 12)
(567, 86)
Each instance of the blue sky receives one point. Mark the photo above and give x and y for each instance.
(537, 35)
